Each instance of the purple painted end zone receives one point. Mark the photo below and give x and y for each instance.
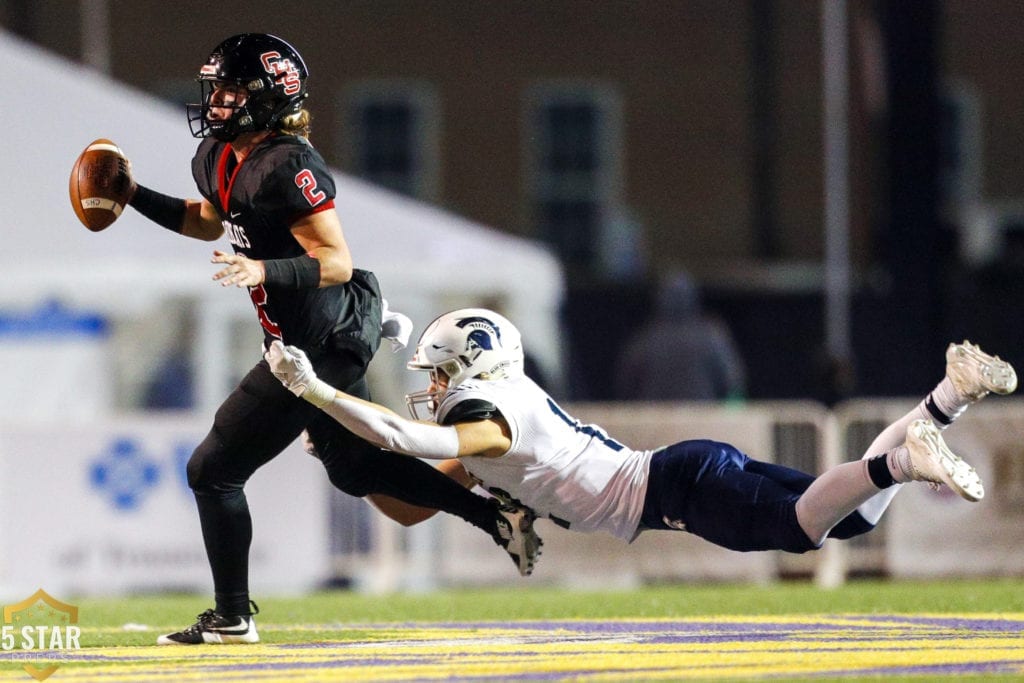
(824, 642)
(725, 647)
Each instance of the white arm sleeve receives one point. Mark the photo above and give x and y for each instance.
(395, 433)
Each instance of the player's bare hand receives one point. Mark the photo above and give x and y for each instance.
(240, 270)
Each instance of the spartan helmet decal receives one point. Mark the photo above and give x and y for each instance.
(466, 344)
(480, 340)
(484, 335)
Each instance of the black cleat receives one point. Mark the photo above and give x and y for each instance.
(216, 628)
(517, 537)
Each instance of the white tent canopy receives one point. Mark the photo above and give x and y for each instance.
(427, 259)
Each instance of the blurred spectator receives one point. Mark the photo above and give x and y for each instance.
(680, 354)
(171, 384)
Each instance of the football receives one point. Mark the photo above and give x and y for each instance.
(100, 184)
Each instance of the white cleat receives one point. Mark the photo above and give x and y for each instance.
(974, 373)
(932, 461)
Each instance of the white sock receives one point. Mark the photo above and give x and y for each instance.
(895, 434)
(898, 460)
(891, 438)
(948, 401)
(874, 507)
(833, 496)
(944, 398)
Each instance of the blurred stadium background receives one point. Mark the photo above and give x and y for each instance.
(841, 180)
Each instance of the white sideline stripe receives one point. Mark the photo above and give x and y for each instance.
(104, 147)
(102, 203)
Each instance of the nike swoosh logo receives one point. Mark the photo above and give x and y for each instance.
(236, 214)
(240, 628)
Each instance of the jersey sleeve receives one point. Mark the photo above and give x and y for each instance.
(204, 169)
(480, 400)
(470, 410)
(299, 184)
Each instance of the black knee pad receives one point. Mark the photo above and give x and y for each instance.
(799, 542)
(851, 525)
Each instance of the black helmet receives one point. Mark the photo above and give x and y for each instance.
(268, 67)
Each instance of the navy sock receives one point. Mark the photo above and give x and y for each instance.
(934, 411)
(878, 470)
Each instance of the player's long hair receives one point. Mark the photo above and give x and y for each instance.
(295, 124)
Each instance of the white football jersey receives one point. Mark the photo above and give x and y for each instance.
(571, 472)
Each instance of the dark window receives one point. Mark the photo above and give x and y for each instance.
(573, 171)
(390, 136)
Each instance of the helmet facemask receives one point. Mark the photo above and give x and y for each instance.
(261, 110)
(423, 404)
(225, 130)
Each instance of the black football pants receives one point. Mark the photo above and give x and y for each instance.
(258, 420)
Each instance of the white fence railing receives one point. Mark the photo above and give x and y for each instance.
(103, 507)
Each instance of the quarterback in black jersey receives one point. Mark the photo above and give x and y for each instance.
(266, 187)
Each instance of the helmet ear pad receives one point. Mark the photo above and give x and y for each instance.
(268, 102)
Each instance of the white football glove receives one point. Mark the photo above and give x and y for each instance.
(291, 365)
(395, 327)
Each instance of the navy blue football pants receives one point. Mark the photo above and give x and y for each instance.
(716, 492)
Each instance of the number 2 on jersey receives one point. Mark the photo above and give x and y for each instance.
(306, 182)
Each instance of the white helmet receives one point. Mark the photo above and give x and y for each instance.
(465, 344)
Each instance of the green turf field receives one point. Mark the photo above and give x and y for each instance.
(858, 597)
(731, 631)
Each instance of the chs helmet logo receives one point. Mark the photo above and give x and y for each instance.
(283, 72)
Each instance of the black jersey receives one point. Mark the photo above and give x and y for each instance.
(282, 180)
